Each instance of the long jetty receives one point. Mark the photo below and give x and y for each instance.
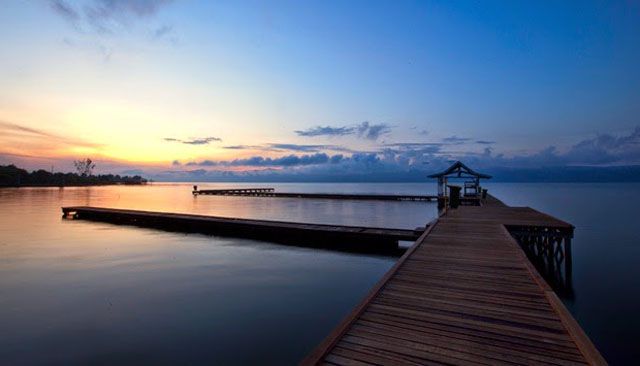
(271, 192)
(330, 236)
(466, 294)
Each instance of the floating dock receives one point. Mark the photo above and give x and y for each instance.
(466, 294)
(330, 236)
(270, 192)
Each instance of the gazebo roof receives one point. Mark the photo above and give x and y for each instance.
(459, 169)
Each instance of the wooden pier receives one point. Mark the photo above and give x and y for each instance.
(270, 192)
(234, 191)
(466, 294)
(303, 234)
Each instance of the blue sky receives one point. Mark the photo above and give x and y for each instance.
(161, 86)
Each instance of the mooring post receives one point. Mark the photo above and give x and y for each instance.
(567, 261)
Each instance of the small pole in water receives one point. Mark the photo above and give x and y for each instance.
(195, 190)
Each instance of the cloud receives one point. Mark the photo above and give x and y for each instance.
(260, 161)
(64, 10)
(456, 140)
(415, 160)
(372, 132)
(113, 8)
(485, 142)
(296, 147)
(326, 131)
(601, 150)
(305, 148)
(162, 31)
(606, 148)
(364, 130)
(280, 147)
(22, 134)
(106, 16)
(194, 141)
(241, 147)
(408, 161)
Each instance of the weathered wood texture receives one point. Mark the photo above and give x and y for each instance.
(345, 237)
(270, 192)
(464, 294)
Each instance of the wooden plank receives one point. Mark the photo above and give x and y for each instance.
(270, 192)
(491, 351)
(338, 236)
(480, 336)
(319, 352)
(465, 293)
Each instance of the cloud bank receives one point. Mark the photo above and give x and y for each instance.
(414, 160)
(363, 130)
(194, 141)
(398, 161)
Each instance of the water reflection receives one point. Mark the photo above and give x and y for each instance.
(85, 292)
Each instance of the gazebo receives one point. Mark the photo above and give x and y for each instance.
(460, 171)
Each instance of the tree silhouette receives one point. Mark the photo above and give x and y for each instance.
(84, 167)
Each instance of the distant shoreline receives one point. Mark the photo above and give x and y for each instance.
(73, 185)
(12, 176)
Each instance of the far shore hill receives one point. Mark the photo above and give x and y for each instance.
(12, 176)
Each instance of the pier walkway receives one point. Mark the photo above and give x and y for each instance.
(270, 192)
(330, 236)
(463, 294)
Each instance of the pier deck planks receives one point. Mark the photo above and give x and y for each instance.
(326, 235)
(463, 294)
(270, 192)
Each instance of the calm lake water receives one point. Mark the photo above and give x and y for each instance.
(79, 292)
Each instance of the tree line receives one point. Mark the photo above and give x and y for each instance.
(12, 176)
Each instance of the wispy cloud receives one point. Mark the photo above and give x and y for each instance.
(18, 132)
(240, 147)
(65, 10)
(485, 142)
(364, 130)
(306, 148)
(372, 131)
(164, 32)
(456, 140)
(279, 147)
(194, 141)
(297, 147)
(106, 16)
(326, 131)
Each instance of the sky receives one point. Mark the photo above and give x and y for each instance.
(199, 90)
